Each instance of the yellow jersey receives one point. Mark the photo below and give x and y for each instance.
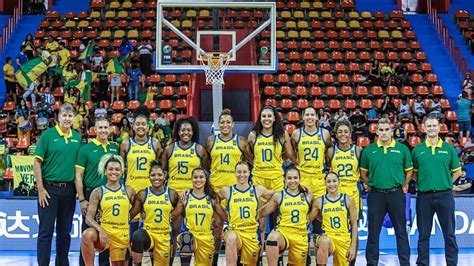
(311, 152)
(225, 154)
(336, 219)
(268, 162)
(242, 208)
(113, 209)
(346, 164)
(181, 163)
(198, 214)
(157, 209)
(139, 157)
(294, 211)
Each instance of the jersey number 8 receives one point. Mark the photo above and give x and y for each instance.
(295, 216)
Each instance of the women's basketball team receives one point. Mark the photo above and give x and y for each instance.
(186, 194)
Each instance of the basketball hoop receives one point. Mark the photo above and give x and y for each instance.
(214, 65)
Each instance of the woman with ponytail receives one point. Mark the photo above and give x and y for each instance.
(155, 203)
(113, 201)
(199, 207)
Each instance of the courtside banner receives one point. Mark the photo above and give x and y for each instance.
(23, 170)
(19, 226)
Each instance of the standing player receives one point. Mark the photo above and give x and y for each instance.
(269, 142)
(113, 201)
(180, 158)
(310, 144)
(87, 176)
(199, 208)
(339, 219)
(155, 203)
(138, 152)
(226, 150)
(243, 200)
(292, 232)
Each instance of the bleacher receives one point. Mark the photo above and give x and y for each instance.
(465, 23)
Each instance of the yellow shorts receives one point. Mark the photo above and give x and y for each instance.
(297, 244)
(354, 192)
(315, 183)
(161, 247)
(276, 184)
(249, 246)
(221, 182)
(119, 243)
(204, 250)
(340, 246)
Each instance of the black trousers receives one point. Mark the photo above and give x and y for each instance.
(379, 204)
(104, 255)
(441, 203)
(60, 210)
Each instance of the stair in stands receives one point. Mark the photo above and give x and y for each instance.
(439, 58)
(75, 6)
(373, 6)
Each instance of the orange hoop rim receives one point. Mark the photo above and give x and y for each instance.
(215, 57)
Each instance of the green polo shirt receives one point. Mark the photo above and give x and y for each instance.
(58, 153)
(386, 166)
(435, 165)
(88, 159)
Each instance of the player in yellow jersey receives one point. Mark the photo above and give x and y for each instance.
(113, 202)
(242, 234)
(226, 150)
(292, 232)
(139, 151)
(269, 143)
(343, 159)
(339, 217)
(199, 207)
(310, 143)
(155, 203)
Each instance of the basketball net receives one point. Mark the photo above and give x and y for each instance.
(214, 65)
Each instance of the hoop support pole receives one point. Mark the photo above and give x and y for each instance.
(216, 104)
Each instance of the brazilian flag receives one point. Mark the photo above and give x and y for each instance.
(30, 71)
(114, 66)
(86, 54)
(84, 86)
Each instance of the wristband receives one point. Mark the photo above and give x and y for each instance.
(80, 201)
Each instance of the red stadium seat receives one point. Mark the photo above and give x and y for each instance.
(150, 104)
(293, 116)
(366, 104)
(302, 104)
(444, 129)
(271, 102)
(464, 140)
(315, 91)
(301, 91)
(286, 104)
(181, 104)
(347, 91)
(350, 104)
(165, 104)
(290, 128)
(362, 91)
(132, 105)
(451, 116)
(363, 141)
(118, 105)
(318, 104)
(334, 104)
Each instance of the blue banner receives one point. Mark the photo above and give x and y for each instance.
(19, 226)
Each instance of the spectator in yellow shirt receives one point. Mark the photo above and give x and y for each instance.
(64, 55)
(9, 76)
(70, 97)
(69, 73)
(52, 46)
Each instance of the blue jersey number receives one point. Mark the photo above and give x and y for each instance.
(225, 159)
(115, 209)
(200, 218)
(310, 154)
(159, 215)
(344, 170)
(183, 168)
(295, 216)
(244, 212)
(267, 155)
(141, 163)
(335, 222)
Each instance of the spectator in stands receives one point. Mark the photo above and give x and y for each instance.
(97, 61)
(374, 74)
(389, 109)
(69, 73)
(419, 111)
(115, 85)
(22, 113)
(43, 109)
(125, 130)
(21, 57)
(401, 76)
(9, 76)
(161, 130)
(64, 54)
(458, 148)
(33, 191)
(4, 150)
(324, 119)
(387, 72)
(464, 115)
(436, 109)
(399, 132)
(404, 110)
(372, 113)
(21, 190)
(340, 115)
(29, 45)
(103, 84)
(48, 60)
(31, 92)
(125, 48)
(32, 148)
(37, 6)
(70, 97)
(145, 50)
(100, 111)
(462, 185)
(359, 123)
(134, 75)
(80, 123)
(467, 82)
(52, 46)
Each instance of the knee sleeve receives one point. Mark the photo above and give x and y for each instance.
(141, 241)
(272, 243)
(186, 243)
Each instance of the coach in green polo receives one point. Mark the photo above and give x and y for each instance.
(436, 166)
(54, 171)
(87, 176)
(386, 168)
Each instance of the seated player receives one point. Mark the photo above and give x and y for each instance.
(292, 232)
(339, 222)
(199, 208)
(155, 203)
(113, 201)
